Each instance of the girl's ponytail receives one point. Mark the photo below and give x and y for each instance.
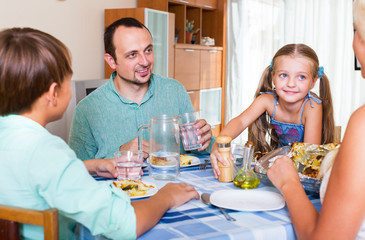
(261, 129)
(328, 122)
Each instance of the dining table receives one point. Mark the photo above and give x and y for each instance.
(197, 220)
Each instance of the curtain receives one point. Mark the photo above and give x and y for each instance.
(254, 33)
(258, 28)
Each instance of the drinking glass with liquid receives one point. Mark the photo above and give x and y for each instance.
(129, 164)
(188, 130)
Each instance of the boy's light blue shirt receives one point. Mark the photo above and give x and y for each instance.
(105, 120)
(38, 170)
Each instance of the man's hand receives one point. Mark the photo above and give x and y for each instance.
(101, 167)
(205, 133)
(133, 146)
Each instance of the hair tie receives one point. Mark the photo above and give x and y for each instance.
(320, 72)
(271, 65)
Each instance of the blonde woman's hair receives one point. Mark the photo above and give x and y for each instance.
(261, 132)
(359, 17)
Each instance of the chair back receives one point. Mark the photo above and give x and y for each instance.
(337, 137)
(10, 216)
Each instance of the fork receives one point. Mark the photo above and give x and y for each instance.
(203, 166)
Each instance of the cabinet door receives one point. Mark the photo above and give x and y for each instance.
(158, 24)
(195, 99)
(210, 68)
(187, 67)
(211, 105)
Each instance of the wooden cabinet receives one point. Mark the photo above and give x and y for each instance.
(210, 68)
(198, 67)
(195, 99)
(163, 5)
(208, 4)
(187, 67)
(208, 15)
(215, 130)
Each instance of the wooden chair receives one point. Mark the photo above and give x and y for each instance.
(337, 138)
(11, 216)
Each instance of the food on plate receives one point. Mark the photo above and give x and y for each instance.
(185, 160)
(132, 187)
(159, 161)
(310, 155)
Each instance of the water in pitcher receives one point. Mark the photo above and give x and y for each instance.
(164, 165)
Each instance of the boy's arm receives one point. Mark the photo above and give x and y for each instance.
(149, 212)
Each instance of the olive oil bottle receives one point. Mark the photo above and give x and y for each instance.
(246, 178)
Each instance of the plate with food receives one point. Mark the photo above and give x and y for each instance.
(136, 189)
(306, 157)
(188, 161)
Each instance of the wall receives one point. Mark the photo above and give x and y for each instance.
(77, 23)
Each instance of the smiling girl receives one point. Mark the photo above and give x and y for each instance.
(285, 110)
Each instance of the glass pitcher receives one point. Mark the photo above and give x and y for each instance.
(164, 146)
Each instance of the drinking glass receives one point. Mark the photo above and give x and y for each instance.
(129, 164)
(188, 130)
(238, 150)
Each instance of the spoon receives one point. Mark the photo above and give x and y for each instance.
(206, 199)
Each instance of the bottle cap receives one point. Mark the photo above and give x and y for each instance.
(249, 144)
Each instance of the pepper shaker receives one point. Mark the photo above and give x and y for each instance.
(224, 148)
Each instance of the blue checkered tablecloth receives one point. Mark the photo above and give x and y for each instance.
(196, 220)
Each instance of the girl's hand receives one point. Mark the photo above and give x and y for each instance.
(283, 172)
(214, 158)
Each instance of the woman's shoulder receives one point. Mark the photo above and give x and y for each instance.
(355, 129)
(358, 116)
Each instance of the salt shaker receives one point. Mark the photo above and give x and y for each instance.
(224, 148)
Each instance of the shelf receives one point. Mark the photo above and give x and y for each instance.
(197, 46)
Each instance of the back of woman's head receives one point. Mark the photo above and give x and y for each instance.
(260, 129)
(30, 61)
(359, 17)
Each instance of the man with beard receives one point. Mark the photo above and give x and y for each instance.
(107, 120)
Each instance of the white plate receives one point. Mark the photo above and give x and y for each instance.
(194, 162)
(247, 200)
(171, 163)
(149, 193)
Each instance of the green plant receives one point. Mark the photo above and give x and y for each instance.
(190, 26)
